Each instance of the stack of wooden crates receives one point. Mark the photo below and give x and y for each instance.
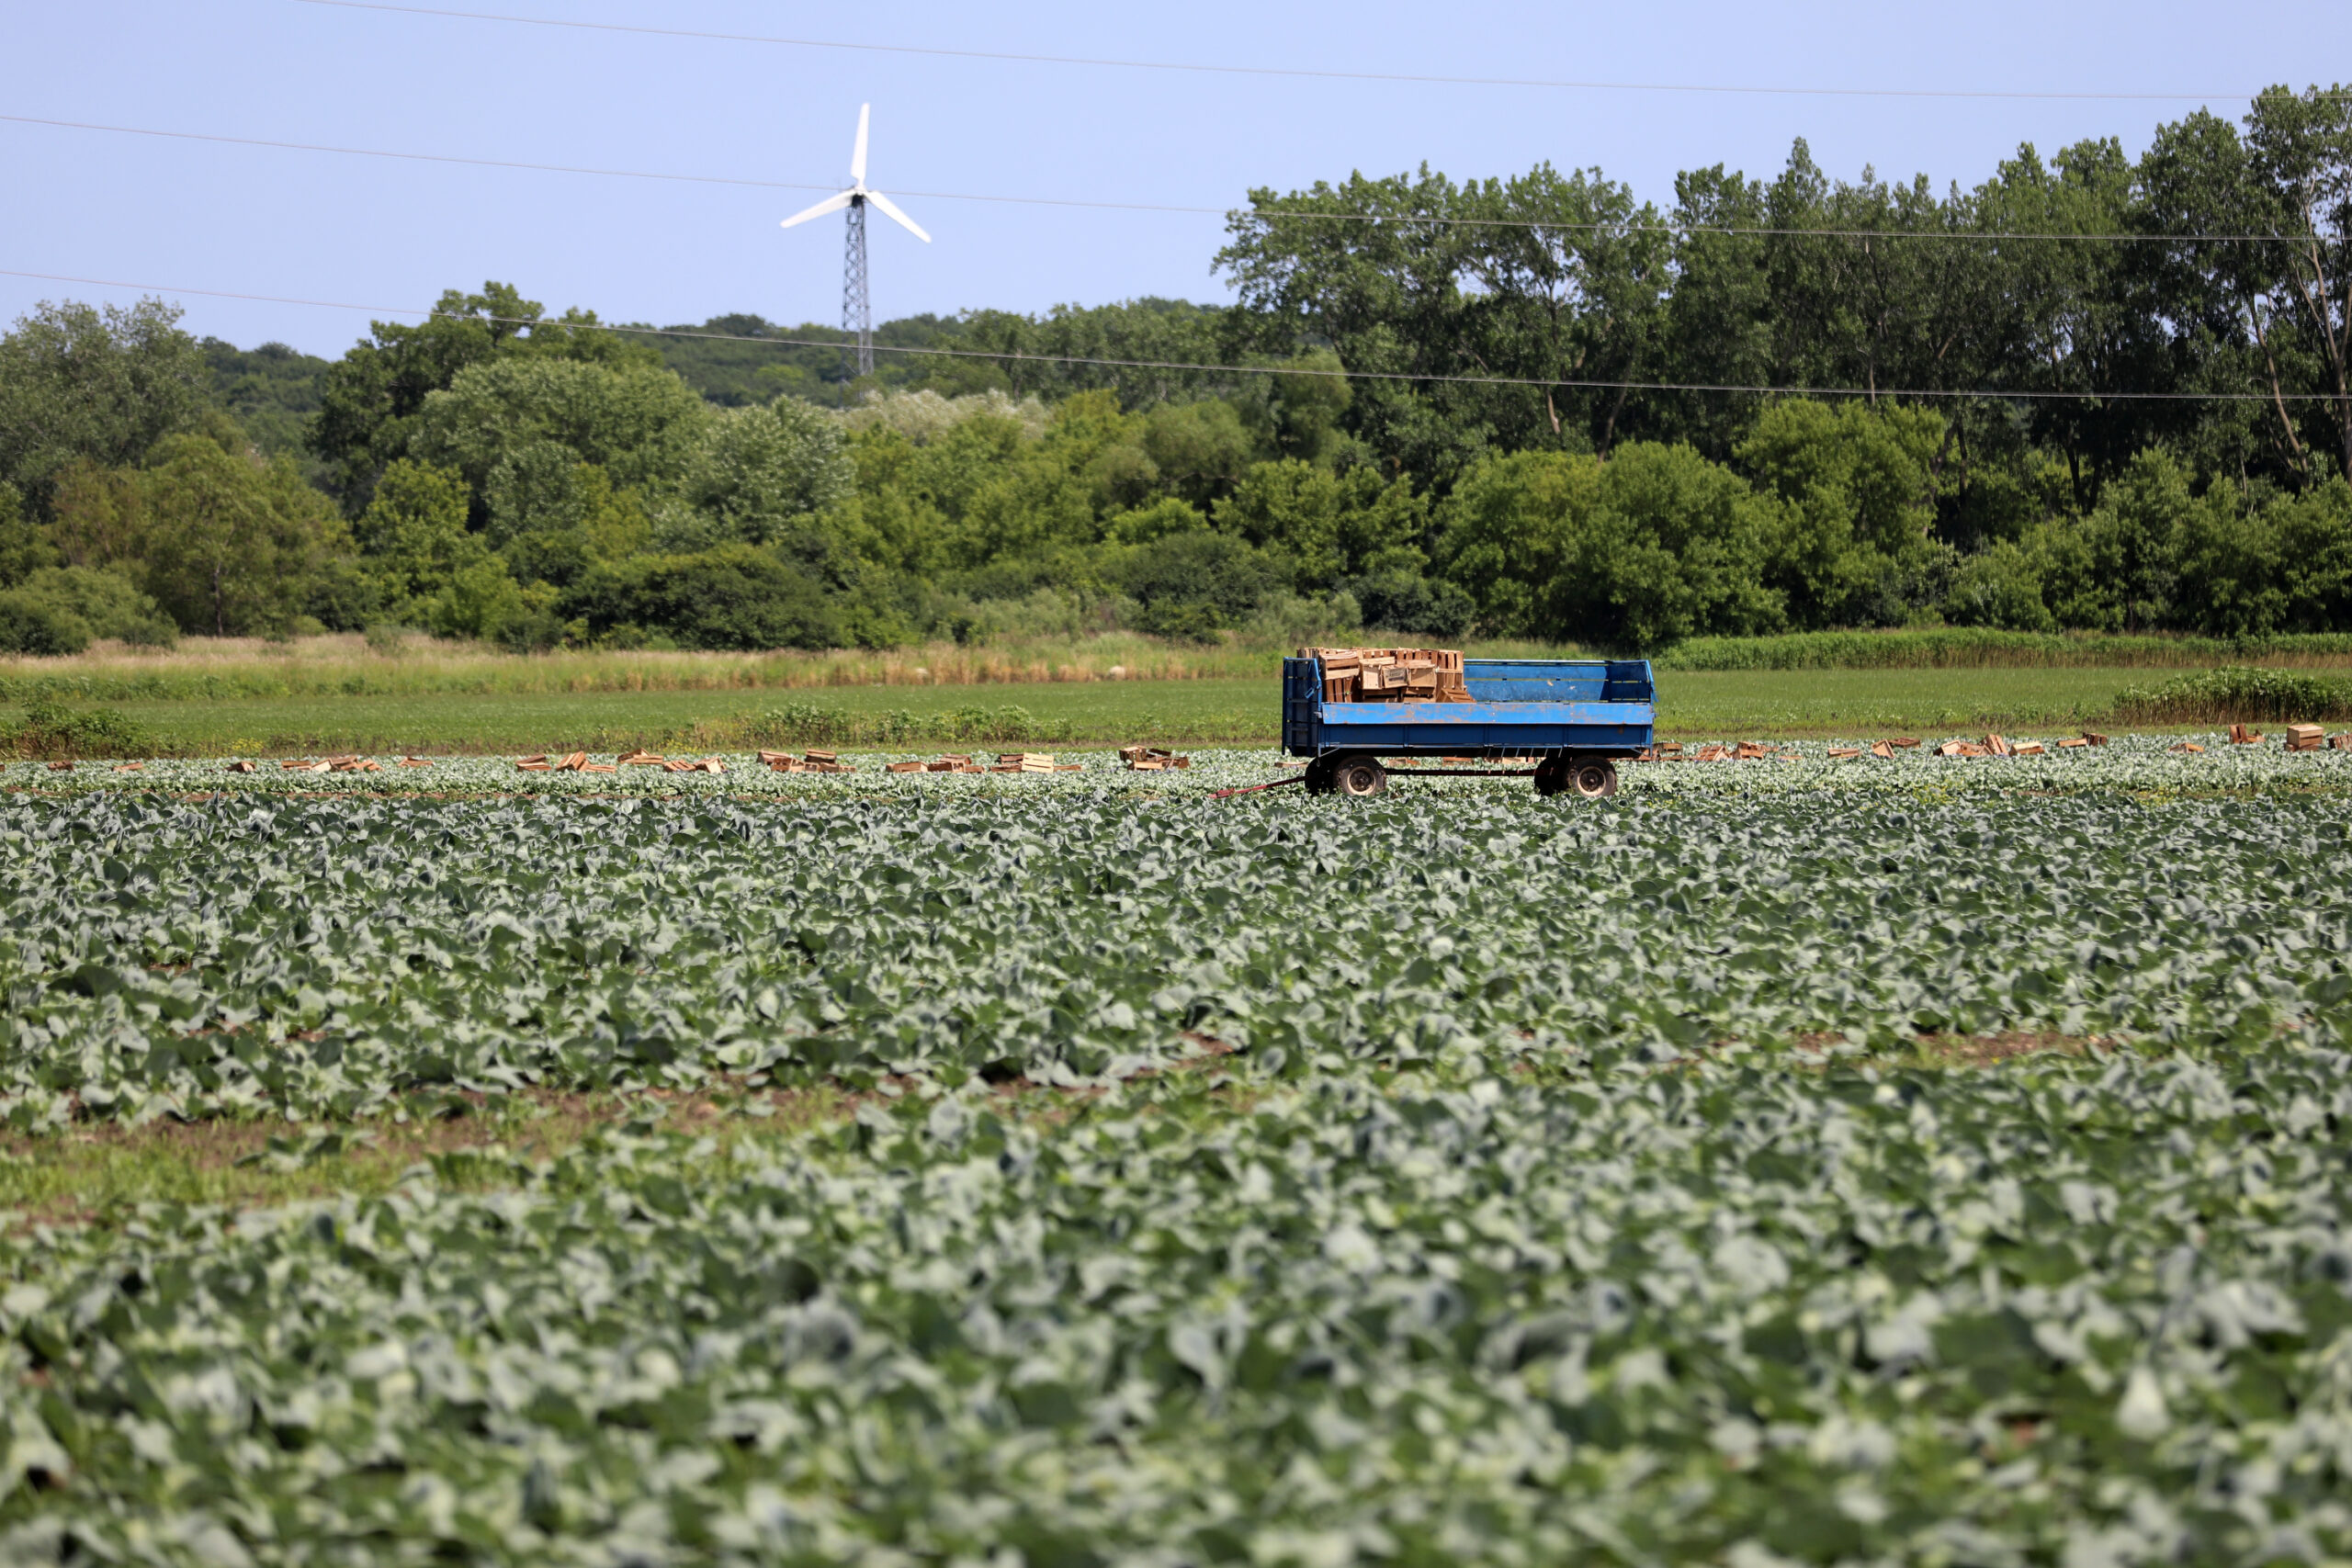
(1390, 674)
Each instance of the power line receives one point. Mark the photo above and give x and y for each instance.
(1277, 70)
(1341, 375)
(1252, 212)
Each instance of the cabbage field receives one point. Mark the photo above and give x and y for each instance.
(1458, 1176)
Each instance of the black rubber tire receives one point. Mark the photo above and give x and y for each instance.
(1319, 776)
(1594, 778)
(1361, 777)
(1552, 776)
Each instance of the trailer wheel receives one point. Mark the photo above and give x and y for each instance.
(1593, 778)
(1319, 776)
(1360, 776)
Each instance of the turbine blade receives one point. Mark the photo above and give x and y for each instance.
(857, 157)
(831, 203)
(884, 202)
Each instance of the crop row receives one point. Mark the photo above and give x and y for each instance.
(319, 956)
(2131, 763)
(2080, 1311)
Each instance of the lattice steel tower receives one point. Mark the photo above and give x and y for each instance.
(857, 307)
(857, 304)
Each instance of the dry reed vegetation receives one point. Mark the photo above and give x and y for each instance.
(351, 665)
(347, 666)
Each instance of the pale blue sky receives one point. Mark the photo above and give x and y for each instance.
(322, 226)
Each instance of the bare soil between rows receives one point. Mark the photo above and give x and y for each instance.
(98, 1172)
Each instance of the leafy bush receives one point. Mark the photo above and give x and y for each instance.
(345, 597)
(1284, 620)
(737, 596)
(1403, 600)
(1191, 586)
(2233, 694)
(797, 724)
(2000, 586)
(387, 640)
(479, 602)
(32, 624)
(52, 729)
(106, 602)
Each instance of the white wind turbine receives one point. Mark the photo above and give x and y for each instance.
(857, 310)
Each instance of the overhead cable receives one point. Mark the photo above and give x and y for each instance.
(1008, 356)
(1572, 84)
(1393, 219)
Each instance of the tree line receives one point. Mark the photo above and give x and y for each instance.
(2091, 392)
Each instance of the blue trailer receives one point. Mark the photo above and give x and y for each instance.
(1574, 717)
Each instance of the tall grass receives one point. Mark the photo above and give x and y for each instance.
(2236, 696)
(205, 669)
(1976, 647)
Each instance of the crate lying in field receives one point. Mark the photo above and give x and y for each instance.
(813, 762)
(1151, 758)
(2304, 736)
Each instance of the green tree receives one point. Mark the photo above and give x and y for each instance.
(81, 384)
(762, 474)
(273, 390)
(2001, 586)
(1652, 545)
(230, 540)
(412, 537)
(371, 400)
(1322, 527)
(1163, 517)
(2301, 150)
(2272, 317)
(1859, 486)
(575, 518)
(2135, 539)
(1196, 451)
(2230, 550)
(2315, 532)
(25, 548)
(639, 423)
